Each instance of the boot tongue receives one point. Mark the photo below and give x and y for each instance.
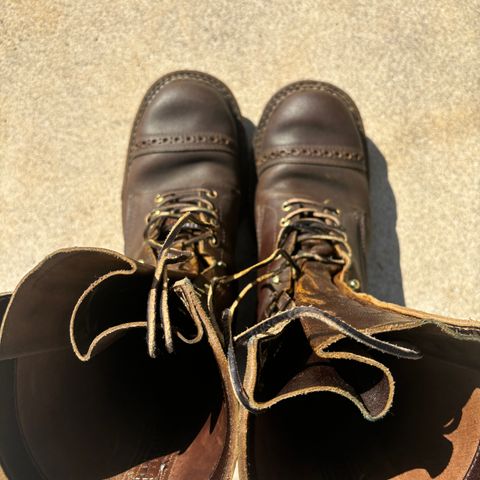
(321, 248)
(297, 242)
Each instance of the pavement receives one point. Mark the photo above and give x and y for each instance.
(72, 75)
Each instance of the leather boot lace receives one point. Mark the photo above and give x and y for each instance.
(176, 229)
(310, 231)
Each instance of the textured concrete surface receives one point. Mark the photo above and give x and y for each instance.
(72, 75)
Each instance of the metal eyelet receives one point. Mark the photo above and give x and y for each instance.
(354, 284)
(286, 207)
(158, 198)
(284, 222)
(213, 241)
(276, 279)
(212, 194)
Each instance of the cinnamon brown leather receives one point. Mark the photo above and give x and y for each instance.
(83, 395)
(338, 384)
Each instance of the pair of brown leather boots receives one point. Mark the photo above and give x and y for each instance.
(147, 365)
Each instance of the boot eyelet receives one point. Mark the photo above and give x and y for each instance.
(284, 222)
(354, 284)
(213, 241)
(158, 198)
(212, 194)
(286, 207)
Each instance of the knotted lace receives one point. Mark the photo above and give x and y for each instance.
(310, 231)
(175, 228)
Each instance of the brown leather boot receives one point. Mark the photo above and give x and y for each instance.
(162, 412)
(323, 360)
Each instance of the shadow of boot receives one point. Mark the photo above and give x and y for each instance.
(383, 261)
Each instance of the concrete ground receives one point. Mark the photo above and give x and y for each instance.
(73, 73)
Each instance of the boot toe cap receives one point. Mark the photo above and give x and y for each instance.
(184, 106)
(311, 115)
